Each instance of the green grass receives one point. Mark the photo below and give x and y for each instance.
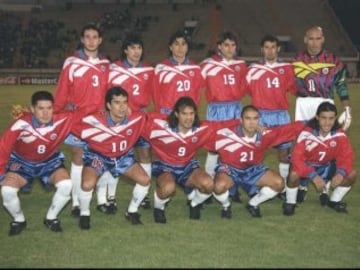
(314, 237)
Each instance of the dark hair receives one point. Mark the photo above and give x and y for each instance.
(181, 103)
(325, 106)
(91, 26)
(226, 35)
(248, 108)
(176, 35)
(269, 38)
(131, 39)
(41, 95)
(114, 91)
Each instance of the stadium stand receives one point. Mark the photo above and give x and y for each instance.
(36, 39)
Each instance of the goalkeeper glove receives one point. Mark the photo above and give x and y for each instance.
(345, 118)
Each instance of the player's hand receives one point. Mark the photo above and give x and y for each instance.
(319, 183)
(18, 110)
(345, 118)
(337, 180)
(261, 129)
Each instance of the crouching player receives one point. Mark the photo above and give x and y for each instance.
(110, 139)
(29, 149)
(175, 139)
(241, 148)
(323, 154)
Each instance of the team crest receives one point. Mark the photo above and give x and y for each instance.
(237, 68)
(129, 131)
(281, 71)
(15, 167)
(194, 139)
(325, 71)
(146, 76)
(224, 169)
(53, 136)
(103, 68)
(333, 144)
(191, 73)
(97, 164)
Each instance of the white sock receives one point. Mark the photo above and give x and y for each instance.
(101, 189)
(291, 194)
(139, 193)
(339, 193)
(284, 172)
(264, 194)
(199, 198)
(75, 175)
(160, 203)
(85, 199)
(112, 183)
(191, 195)
(223, 199)
(11, 202)
(60, 198)
(210, 164)
(147, 168)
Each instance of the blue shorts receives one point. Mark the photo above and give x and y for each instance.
(274, 118)
(326, 171)
(220, 111)
(74, 141)
(180, 173)
(247, 178)
(142, 143)
(101, 164)
(31, 170)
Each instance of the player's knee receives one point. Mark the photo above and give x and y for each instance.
(220, 187)
(64, 187)
(350, 180)
(293, 180)
(87, 185)
(277, 184)
(207, 185)
(166, 190)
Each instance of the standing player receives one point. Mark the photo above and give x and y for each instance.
(136, 77)
(175, 141)
(241, 149)
(29, 149)
(225, 76)
(176, 76)
(269, 81)
(110, 139)
(318, 72)
(323, 154)
(82, 82)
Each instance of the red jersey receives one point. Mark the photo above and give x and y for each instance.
(173, 81)
(137, 81)
(268, 85)
(240, 151)
(110, 139)
(225, 80)
(82, 82)
(34, 142)
(170, 145)
(312, 149)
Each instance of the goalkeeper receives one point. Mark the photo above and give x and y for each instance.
(318, 72)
